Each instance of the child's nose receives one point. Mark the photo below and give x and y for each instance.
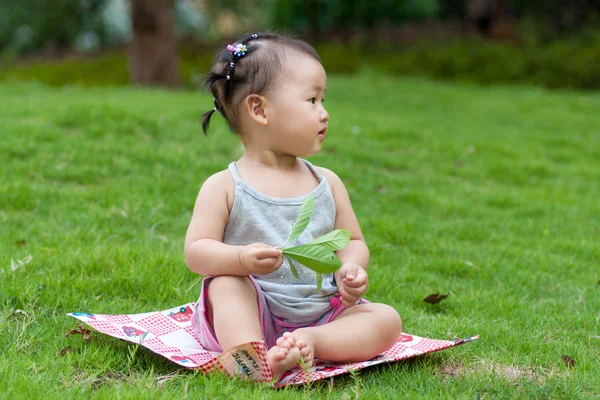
(324, 115)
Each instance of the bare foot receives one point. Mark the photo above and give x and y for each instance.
(284, 355)
(305, 343)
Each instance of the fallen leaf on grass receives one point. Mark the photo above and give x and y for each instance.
(435, 298)
(568, 361)
(20, 242)
(80, 331)
(64, 351)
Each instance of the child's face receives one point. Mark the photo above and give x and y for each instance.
(297, 118)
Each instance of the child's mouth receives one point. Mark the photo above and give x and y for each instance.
(322, 132)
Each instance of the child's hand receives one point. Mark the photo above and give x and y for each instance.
(352, 280)
(261, 259)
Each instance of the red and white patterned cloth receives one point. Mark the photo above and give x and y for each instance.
(169, 333)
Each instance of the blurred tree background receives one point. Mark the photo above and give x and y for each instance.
(551, 43)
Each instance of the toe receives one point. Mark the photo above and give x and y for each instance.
(305, 351)
(301, 344)
(289, 338)
(280, 355)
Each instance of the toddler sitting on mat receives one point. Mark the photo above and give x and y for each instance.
(270, 89)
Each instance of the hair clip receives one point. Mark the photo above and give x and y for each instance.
(237, 50)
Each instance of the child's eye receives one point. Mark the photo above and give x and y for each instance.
(313, 100)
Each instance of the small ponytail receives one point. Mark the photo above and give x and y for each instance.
(230, 55)
(206, 116)
(206, 120)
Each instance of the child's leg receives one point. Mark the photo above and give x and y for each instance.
(233, 311)
(357, 334)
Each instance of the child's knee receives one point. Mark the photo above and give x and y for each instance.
(230, 287)
(390, 321)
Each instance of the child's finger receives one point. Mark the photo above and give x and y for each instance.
(262, 254)
(347, 299)
(356, 292)
(358, 281)
(268, 263)
(346, 303)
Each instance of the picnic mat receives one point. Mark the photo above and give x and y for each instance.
(170, 334)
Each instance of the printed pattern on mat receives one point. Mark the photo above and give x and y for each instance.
(118, 319)
(106, 327)
(159, 347)
(201, 358)
(261, 350)
(169, 333)
(189, 329)
(159, 324)
(426, 345)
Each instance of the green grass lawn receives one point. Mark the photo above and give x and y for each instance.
(492, 194)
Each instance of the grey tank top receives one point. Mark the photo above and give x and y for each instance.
(257, 218)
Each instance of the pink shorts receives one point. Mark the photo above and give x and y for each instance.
(272, 327)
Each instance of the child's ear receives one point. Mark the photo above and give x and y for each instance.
(255, 107)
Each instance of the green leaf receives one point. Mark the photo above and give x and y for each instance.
(316, 257)
(292, 267)
(306, 212)
(334, 240)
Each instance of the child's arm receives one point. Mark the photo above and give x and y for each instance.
(351, 278)
(356, 251)
(205, 252)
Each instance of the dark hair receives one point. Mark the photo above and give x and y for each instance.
(233, 76)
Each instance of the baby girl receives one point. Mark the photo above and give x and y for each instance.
(270, 89)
